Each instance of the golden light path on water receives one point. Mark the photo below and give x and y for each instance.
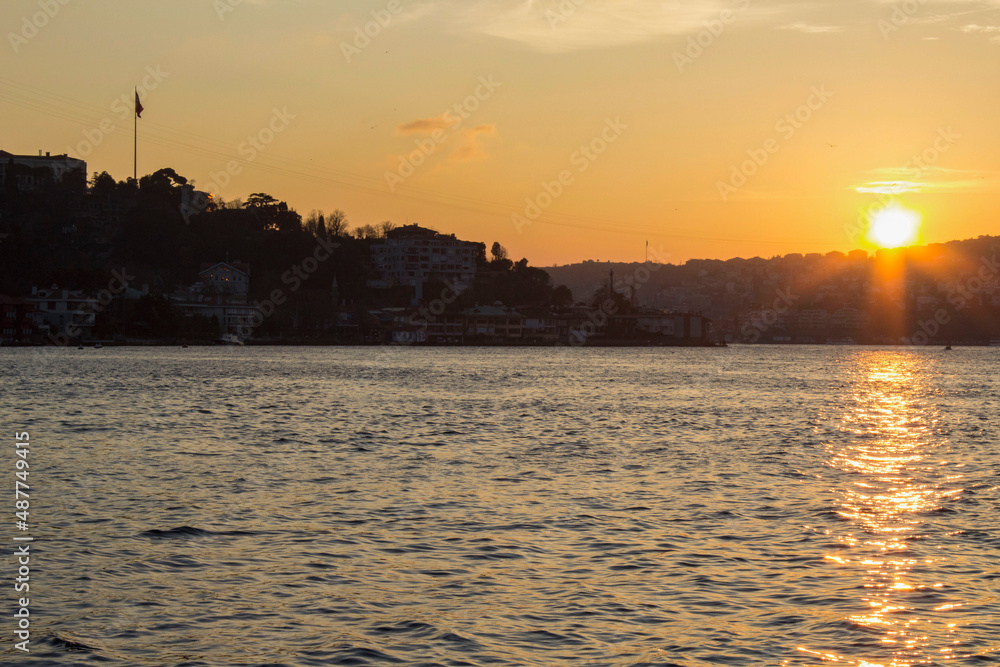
(891, 456)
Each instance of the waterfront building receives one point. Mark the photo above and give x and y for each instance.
(412, 255)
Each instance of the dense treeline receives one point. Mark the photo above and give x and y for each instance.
(74, 236)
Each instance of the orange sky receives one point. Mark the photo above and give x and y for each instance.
(712, 129)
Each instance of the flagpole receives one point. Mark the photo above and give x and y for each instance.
(135, 144)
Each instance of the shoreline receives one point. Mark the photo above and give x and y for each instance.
(594, 345)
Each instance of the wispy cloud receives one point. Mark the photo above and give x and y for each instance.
(471, 148)
(554, 26)
(898, 180)
(810, 28)
(426, 125)
(976, 28)
(887, 188)
(559, 26)
(945, 11)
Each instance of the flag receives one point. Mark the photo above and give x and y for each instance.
(138, 105)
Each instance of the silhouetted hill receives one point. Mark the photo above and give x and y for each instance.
(882, 297)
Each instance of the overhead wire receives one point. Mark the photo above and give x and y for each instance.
(76, 111)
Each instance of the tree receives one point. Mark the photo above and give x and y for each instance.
(500, 260)
(366, 232)
(498, 252)
(102, 185)
(336, 224)
(260, 200)
(273, 214)
(316, 224)
(161, 184)
(618, 296)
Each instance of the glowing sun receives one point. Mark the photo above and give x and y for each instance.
(894, 226)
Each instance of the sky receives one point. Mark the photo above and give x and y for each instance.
(566, 130)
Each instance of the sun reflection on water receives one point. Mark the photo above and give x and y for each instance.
(893, 480)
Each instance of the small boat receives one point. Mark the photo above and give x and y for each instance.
(947, 347)
(97, 346)
(228, 339)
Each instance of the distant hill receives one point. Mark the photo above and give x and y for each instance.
(585, 278)
(933, 293)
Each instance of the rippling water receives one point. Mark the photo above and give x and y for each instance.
(741, 506)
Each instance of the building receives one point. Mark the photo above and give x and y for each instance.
(30, 171)
(541, 326)
(232, 278)
(671, 325)
(493, 324)
(662, 327)
(193, 201)
(70, 312)
(413, 255)
(812, 320)
(233, 318)
(221, 293)
(848, 320)
(17, 321)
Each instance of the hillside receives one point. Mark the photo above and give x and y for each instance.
(953, 289)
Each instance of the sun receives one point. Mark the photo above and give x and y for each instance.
(894, 226)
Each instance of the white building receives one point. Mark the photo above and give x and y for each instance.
(59, 310)
(413, 255)
(22, 166)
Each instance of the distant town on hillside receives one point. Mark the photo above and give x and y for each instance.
(156, 261)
